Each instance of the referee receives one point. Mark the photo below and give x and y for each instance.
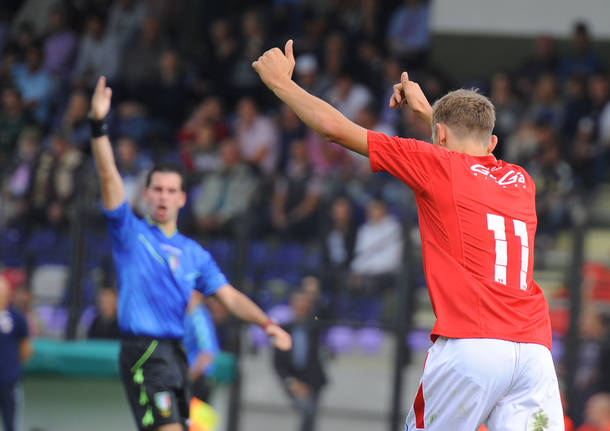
(157, 270)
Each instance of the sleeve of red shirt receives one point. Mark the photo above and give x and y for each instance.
(409, 160)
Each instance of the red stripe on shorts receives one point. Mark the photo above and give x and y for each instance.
(418, 407)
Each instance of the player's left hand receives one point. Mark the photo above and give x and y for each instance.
(281, 339)
(275, 66)
(409, 92)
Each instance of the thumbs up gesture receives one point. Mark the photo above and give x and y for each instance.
(275, 66)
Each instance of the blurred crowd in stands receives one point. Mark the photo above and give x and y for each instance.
(184, 90)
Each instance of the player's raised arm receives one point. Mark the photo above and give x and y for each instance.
(113, 193)
(410, 93)
(275, 69)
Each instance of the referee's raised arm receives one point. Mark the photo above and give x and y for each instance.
(113, 193)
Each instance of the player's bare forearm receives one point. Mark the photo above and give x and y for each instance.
(113, 193)
(327, 121)
(275, 70)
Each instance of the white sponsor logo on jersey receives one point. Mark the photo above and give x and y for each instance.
(511, 177)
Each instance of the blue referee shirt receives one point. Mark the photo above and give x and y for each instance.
(156, 275)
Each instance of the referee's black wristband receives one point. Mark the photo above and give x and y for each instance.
(99, 128)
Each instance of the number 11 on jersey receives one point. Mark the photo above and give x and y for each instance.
(496, 223)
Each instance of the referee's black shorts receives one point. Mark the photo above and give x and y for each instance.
(155, 375)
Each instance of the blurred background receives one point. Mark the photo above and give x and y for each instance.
(298, 224)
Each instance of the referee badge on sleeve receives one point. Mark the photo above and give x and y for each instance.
(163, 402)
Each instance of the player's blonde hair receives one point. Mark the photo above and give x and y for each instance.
(467, 113)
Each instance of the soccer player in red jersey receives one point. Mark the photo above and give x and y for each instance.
(490, 362)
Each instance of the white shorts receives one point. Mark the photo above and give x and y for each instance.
(503, 384)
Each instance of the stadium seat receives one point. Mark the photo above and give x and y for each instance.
(370, 340)
(49, 284)
(11, 247)
(257, 336)
(48, 246)
(53, 320)
(340, 339)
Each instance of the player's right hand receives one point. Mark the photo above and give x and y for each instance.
(100, 102)
(275, 66)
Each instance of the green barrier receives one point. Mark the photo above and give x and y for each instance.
(98, 358)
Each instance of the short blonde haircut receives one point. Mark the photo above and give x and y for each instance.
(467, 113)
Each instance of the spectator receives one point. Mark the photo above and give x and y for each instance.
(169, 94)
(508, 108)
(300, 370)
(577, 105)
(133, 167)
(125, 18)
(20, 176)
(32, 14)
(290, 129)
(141, 59)
(256, 136)
(35, 84)
(224, 53)
(10, 57)
(105, 324)
(543, 61)
(12, 121)
(391, 75)
(348, 96)
(338, 241)
(335, 56)
(581, 60)
(327, 161)
(408, 34)
(25, 36)
(22, 302)
(377, 260)
(59, 46)
(98, 53)
(74, 123)
(546, 105)
(200, 153)
(413, 126)
(308, 76)
(599, 96)
(254, 41)
(225, 194)
(340, 238)
(378, 248)
(296, 196)
(554, 182)
(54, 182)
(16, 349)
(588, 157)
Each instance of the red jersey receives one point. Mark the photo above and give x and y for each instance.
(477, 221)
